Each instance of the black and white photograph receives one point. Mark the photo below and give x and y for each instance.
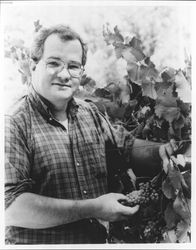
(97, 124)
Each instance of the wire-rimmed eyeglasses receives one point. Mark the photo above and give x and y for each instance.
(74, 69)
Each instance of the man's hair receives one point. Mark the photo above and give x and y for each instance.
(65, 33)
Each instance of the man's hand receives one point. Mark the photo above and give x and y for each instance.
(108, 207)
(166, 151)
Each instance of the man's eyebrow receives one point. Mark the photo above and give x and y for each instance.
(59, 59)
(75, 62)
(54, 57)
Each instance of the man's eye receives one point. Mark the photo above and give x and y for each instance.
(53, 64)
(72, 66)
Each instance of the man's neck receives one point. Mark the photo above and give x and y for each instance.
(59, 111)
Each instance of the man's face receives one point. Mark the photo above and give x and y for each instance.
(57, 86)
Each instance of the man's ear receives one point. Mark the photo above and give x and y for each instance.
(32, 65)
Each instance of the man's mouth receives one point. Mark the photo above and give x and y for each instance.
(61, 84)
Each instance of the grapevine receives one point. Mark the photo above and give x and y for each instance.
(159, 109)
(164, 210)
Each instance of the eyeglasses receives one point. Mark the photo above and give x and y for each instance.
(74, 69)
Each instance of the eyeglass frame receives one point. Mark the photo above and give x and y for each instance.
(64, 66)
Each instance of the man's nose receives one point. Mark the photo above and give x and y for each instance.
(64, 73)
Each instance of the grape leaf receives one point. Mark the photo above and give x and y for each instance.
(153, 73)
(119, 49)
(175, 177)
(148, 89)
(102, 92)
(37, 26)
(131, 55)
(168, 74)
(161, 87)
(168, 113)
(147, 73)
(168, 188)
(113, 88)
(184, 107)
(139, 67)
(110, 37)
(172, 236)
(186, 184)
(131, 52)
(120, 93)
(118, 34)
(140, 73)
(187, 69)
(88, 82)
(112, 109)
(165, 95)
(182, 230)
(85, 95)
(135, 43)
(183, 87)
(133, 72)
(181, 207)
(124, 97)
(187, 177)
(166, 103)
(179, 123)
(171, 218)
(24, 67)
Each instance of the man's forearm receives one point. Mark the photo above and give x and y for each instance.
(34, 211)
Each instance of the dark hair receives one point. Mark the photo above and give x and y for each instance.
(64, 32)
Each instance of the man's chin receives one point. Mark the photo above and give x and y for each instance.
(64, 94)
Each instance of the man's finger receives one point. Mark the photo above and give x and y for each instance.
(119, 196)
(130, 210)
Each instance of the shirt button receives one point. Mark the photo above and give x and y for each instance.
(77, 164)
(84, 191)
(50, 119)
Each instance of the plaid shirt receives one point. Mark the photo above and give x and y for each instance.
(42, 158)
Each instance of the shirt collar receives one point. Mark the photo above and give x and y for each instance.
(44, 106)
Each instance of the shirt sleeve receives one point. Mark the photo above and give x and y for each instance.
(17, 161)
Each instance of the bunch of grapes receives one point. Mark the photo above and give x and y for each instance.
(148, 224)
(153, 231)
(144, 195)
(149, 229)
(149, 191)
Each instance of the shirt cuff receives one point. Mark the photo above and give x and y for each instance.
(12, 191)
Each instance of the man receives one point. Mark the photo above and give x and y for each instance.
(56, 186)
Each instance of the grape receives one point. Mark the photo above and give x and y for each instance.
(153, 231)
(149, 229)
(144, 195)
